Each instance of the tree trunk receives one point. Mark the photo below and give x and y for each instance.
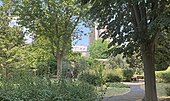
(59, 67)
(149, 72)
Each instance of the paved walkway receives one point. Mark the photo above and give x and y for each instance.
(135, 94)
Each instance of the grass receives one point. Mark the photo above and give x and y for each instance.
(114, 89)
(118, 85)
(160, 88)
(111, 91)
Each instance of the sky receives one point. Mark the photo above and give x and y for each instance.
(83, 41)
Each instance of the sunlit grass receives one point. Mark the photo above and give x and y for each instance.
(111, 91)
(114, 89)
(160, 88)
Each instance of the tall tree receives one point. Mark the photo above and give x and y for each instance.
(37, 51)
(98, 49)
(162, 52)
(57, 20)
(134, 25)
(135, 61)
(11, 38)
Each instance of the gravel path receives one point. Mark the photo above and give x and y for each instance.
(135, 94)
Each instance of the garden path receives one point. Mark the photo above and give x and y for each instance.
(135, 94)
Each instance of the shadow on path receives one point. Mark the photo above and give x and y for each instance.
(135, 94)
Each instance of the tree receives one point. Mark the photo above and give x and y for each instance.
(117, 62)
(162, 53)
(134, 25)
(11, 38)
(31, 54)
(135, 61)
(98, 49)
(57, 20)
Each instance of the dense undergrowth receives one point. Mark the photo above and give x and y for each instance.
(28, 88)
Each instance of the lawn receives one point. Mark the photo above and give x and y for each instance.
(160, 88)
(115, 89)
(111, 91)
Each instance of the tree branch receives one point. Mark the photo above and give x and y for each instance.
(143, 18)
(137, 15)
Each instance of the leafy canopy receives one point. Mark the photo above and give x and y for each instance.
(11, 37)
(98, 48)
(130, 23)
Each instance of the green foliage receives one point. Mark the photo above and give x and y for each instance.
(56, 21)
(128, 73)
(98, 49)
(163, 76)
(37, 89)
(95, 75)
(42, 69)
(162, 54)
(11, 39)
(77, 62)
(134, 61)
(118, 85)
(159, 76)
(139, 71)
(133, 25)
(99, 72)
(117, 71)
(166, 77)
(129, 28)
(117, 62)
(113, 78)
(89, 77)
(167, 89)
(113, 75)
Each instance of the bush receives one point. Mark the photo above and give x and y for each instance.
(75, 91)
(128, 73)
(118, 72)
(167, 89)
(139, 71)
(38, 89)
(163, 76)
(113, 78)
(166, 77)
(89, 77)
(42, 69)
(113, 75)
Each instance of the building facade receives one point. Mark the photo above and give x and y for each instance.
(94, 35)
(82, 49)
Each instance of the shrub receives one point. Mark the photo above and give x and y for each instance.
(42, 69)
(139, 71)
(128, 73)
(118, 72)
(113, 75)
(163, 76)
(89, 77)
(113, 78)
(118, 85)
(38, 89)
(167, 89)
(166, 77)
(75, 91)
(159, 76)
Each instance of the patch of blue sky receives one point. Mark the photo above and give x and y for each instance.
(84, 39)
(0, 2)
(83, 34)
